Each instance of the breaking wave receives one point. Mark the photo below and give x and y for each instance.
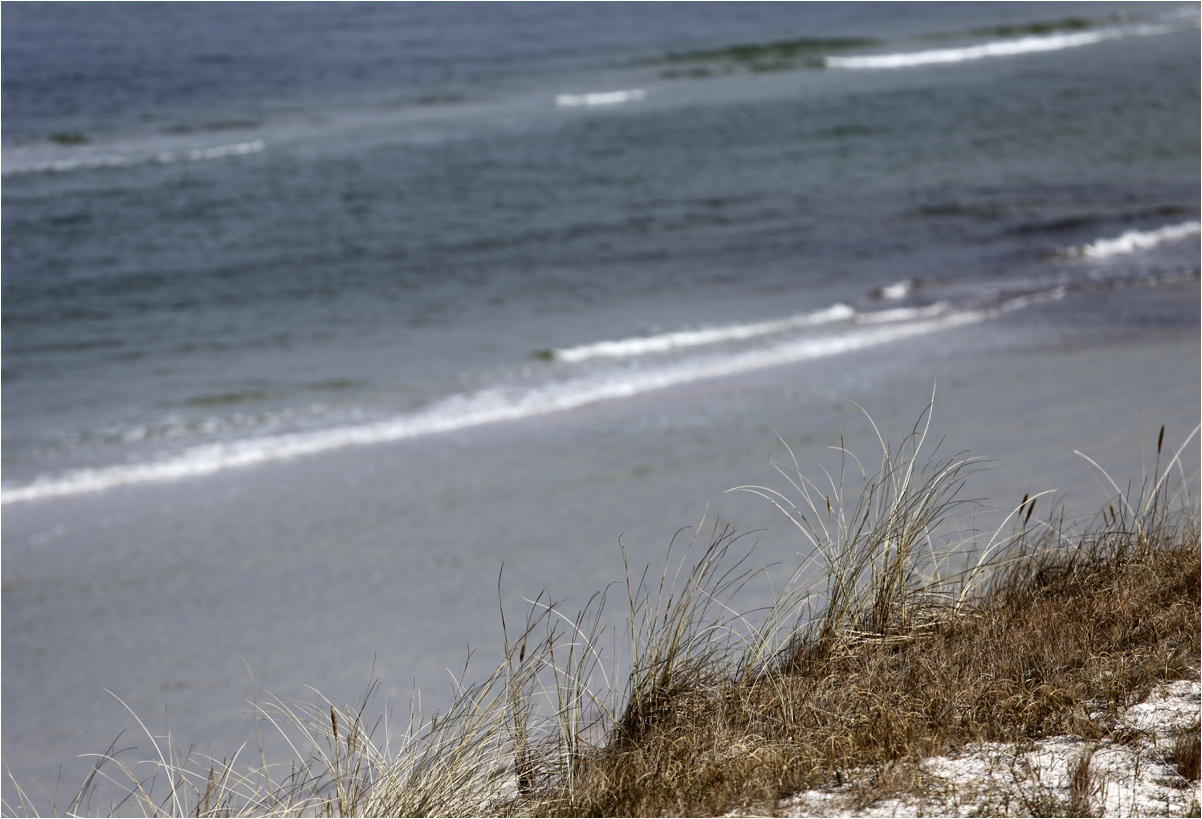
(600, 98)
(998, 48)
(1134, 240)
(897, 290)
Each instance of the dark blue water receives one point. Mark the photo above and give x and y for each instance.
(227, 223)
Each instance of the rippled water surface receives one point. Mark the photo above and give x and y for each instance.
(223, 225)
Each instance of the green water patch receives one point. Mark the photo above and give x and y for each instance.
(217, 125)
(1053, 27)
(229, 398)
(70, 138)
(253, 395)
(780, 55)
(1036, 29)
(810, 52)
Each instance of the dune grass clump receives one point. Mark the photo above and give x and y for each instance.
(1048, 631)
(896, 639)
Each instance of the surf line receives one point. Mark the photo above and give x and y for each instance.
(665, 342)
(486, 407)
(998, 48)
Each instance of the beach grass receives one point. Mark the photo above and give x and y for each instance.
(899, 638)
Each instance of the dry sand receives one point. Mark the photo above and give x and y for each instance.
(1132, 773)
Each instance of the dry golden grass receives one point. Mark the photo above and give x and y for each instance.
(1035, 658)
(1052, 633)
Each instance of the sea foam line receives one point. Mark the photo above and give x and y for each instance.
(998, 48)
(665, 342)
(1134, 240)
(84, 163)
(485, 407)
(600, 98)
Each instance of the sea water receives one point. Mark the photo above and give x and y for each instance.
(266, 266)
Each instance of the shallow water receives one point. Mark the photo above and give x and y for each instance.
(297, 351)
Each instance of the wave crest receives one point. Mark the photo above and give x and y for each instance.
(600, 98)
(999, 48)
(1134, 240)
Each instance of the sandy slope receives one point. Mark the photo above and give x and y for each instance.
(1132, 773)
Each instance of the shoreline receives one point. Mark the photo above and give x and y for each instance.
(209, 571)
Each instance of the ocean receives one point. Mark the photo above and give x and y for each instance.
(316, 314)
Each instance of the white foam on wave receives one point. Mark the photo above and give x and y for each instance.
(600, 98)
(94, 161)
(897, 290)
(485, 407)
(200, 154)
(998, 48)
(1135, 240)
(1042, 297)
(665, 342)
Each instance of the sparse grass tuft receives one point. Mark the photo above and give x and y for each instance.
(1082, 786)
(875, 654)
(1187, 752)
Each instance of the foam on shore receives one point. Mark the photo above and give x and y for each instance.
(664, 342)
(484, 407)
